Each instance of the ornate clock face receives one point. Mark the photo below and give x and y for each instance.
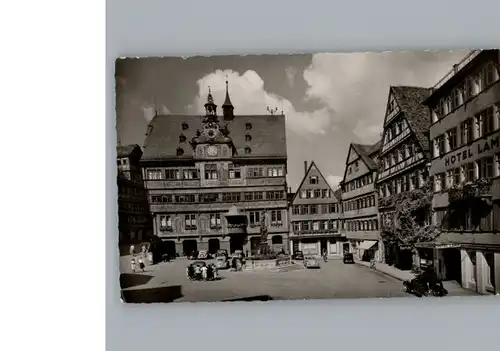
(212, 150)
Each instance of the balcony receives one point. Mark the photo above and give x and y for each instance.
(396, 140)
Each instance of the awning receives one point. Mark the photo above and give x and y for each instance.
(434, 245)
(367, 244)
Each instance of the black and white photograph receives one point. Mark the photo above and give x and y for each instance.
(308, 176)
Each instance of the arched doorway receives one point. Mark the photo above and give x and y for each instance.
(169, 248)
(213, 246)
(236, 243)
(277, 243)
(254, 245)
(189, 246)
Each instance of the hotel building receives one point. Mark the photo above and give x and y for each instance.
(465, 135)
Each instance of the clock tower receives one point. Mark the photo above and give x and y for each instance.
(212, 141)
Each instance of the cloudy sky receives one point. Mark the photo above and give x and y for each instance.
(329, 100)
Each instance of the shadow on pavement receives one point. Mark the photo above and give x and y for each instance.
(128, 280)
(152, 295)
(251, 298)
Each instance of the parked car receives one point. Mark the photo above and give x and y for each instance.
(221, 262)
(203, 255)
(238, 254)
(221, 253)
(348, 257)
(311, 262)
(298, 255)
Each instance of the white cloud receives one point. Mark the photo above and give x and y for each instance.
(249, 97)
(355, 86)
(290, 75)
(149, 111)
(333, 180)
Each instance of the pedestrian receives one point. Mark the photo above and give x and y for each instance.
(132, 265)
(141, 263)
(132, 250)
(204, 271)
(216, 272)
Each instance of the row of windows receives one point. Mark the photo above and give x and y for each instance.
(185, 126)
(483, 168)
(358, 183)
(467, 89)
(357, 225)
(407, 182)
(315, 209)
(218, 197)
(190, 220)
(134, 207)
(129, 192)
(468, 221)
(398, 155)
(314, 225)
(364, 202)
(394, 130)
(135, 219)
(483, 123)
(122, 161)
(212, 171)
(315, 194)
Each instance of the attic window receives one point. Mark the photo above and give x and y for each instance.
(248, 126)
(248, 137)
(248, 151)
(182, 138)
(184, 126)
(180, 151)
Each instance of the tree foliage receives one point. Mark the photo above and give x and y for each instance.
(409, 224)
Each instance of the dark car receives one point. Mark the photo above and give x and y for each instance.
(298, 255)
(348, 257)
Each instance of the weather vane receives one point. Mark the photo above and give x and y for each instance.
(272, 111)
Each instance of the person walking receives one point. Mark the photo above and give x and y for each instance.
(132, 250)
(141, 263)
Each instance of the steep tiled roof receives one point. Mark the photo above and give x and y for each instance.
(267, 132)
(338, 194)
(126, 150)
(410, 100)
(366, 153)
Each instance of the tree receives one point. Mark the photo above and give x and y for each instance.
(410, 223)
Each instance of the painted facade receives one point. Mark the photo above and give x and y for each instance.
(210, 180)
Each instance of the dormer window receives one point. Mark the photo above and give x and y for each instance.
(180, 151)
(182, 138)
(248, 126)
(184, 126)
(248, 151)
(248, 137)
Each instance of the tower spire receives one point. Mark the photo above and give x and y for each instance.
(227, 106)
(210, 106)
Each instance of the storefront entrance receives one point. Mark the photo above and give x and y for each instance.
(323, 245)
(345, 247)
(189, 247)
(213, 245)
(236, 242)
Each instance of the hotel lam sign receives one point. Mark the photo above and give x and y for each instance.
(475, 149)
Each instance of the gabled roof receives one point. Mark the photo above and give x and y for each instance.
(267, 132)
(410, 100)
(338, 194)
(366, 152)
(126, 150)
(305, 177)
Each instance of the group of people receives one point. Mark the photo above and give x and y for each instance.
(140, 259)
(207, 272)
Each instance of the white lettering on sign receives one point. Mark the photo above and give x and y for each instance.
(479, 148)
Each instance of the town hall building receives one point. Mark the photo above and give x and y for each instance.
(212, 179)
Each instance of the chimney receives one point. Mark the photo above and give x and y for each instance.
(305, 167)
